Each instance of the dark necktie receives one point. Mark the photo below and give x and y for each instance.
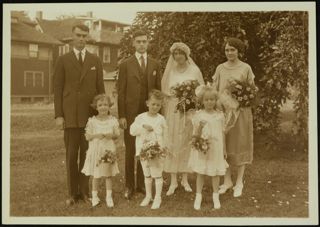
(80, 58)
(143, 64)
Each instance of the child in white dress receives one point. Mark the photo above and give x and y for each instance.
(209, 124)
(101, 131)
(151, 126)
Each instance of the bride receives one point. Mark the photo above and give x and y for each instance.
(180, 67)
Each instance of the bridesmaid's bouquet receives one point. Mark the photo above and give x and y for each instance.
(185, 92)
(151, 150)
(200, 142)
(244, 93)
(108, 157)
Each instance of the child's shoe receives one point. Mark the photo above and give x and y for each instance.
(109, 201)
(171, 190)
(186, 186)
(197, 201)
(237, 190)
(95, 201)
(145, 201)
(224, 188)
(156, 203)
(216, 201)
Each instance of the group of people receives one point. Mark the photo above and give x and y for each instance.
(147, 111)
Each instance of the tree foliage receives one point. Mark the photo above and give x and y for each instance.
(277, 50)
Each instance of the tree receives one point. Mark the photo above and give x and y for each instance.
(277, 44)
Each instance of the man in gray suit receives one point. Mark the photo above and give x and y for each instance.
(138, 75)
(78, 77)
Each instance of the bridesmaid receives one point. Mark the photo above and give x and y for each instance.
(239, 140)
(180, 67)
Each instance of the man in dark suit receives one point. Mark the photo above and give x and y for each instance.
(138, 75)
(78, 77)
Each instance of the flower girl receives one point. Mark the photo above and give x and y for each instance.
(207, 157)
(101, 130)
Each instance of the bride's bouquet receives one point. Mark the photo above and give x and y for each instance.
(108, 157)
(200, 142)
(185, 92)
(151, 150)
(243, 92)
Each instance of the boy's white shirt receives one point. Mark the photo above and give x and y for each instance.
(159, 133)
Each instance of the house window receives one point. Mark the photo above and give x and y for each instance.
(28, 79)
(106, 54)
(38, 79)
(33, 50)
(33, 79)
(64, 49)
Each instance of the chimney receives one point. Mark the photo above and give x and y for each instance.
(39, 15)
(90, 14)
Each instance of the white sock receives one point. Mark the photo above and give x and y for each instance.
(174, 179)
(109, 193)
(184, 178)
(148, 185)
(159, 184)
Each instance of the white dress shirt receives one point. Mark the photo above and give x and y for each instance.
(159, 133)
(138, 56)
(83, 53)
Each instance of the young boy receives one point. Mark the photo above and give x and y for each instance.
(151, 126)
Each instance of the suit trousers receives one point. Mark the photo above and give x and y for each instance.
(130, 142)
(130, 161)
(75, 141)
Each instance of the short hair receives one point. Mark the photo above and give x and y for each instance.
(139, 33)
(156, 94)
(236, 43)
(81, 27)
(101, 97)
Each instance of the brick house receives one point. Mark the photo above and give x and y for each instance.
(32, 54)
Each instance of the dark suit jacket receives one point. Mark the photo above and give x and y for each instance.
(129, 83)
(75, 87)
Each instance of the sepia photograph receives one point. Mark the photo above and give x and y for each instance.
(160, 113)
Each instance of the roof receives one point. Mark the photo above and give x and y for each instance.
(26, 33)
(22, 17)
(60, 29)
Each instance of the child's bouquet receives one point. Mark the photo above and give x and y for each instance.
(185, 92)
(151, 150)
(200, 142)
(108, 157)
(244, 93)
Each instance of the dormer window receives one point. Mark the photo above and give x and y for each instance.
(33, 50)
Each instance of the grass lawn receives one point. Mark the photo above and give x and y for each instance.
(276, 184)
